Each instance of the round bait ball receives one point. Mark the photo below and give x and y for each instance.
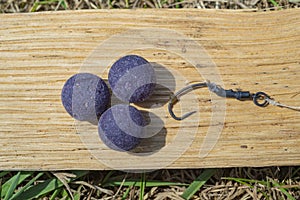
(85, 97)
(132, 79)
(120, 127)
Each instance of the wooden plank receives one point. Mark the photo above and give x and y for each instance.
(256, 51)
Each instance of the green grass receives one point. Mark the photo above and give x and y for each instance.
(48, 2)
(33, 188)
(198, 183)
(184, 184)
(53, 187)
(269, 183)
(275, 4)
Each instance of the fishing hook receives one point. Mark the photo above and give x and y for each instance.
(260, 99)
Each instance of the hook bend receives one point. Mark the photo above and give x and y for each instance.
(176, 97)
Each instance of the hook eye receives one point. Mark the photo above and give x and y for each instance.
(260, 99)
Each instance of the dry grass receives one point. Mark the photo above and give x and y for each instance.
(217, 188)
(12, 6)
(269, 183)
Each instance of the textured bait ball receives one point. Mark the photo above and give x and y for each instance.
(132, 79)
(85, 97)
(120, 127)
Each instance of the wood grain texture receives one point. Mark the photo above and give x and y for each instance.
(256, 51)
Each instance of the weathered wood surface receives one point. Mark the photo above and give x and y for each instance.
(256, 51)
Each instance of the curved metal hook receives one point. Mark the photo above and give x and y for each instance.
(221, 92)
(175, 98)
